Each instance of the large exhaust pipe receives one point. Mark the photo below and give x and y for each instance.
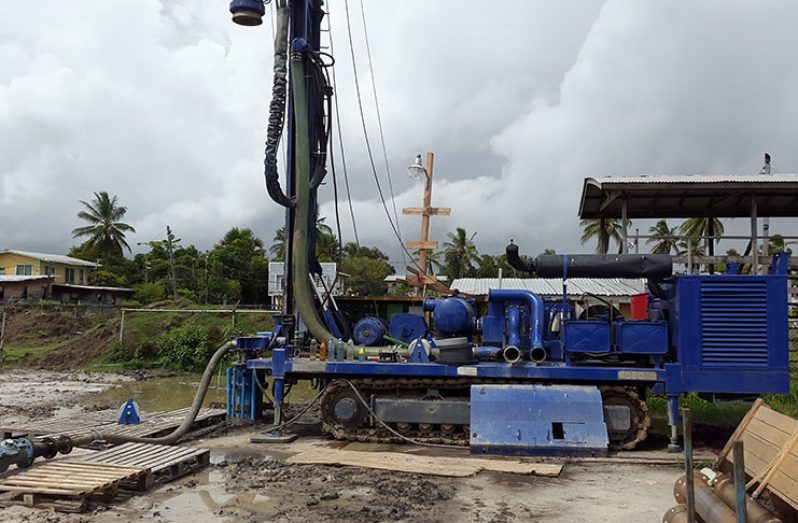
(511, 354)
(537, 355)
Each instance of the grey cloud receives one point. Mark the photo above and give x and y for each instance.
(164, 104)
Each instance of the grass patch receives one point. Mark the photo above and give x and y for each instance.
(16, 352)
(701, 409)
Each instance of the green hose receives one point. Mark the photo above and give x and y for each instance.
(302, 291)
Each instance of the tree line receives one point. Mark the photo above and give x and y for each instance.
(236, 268)
(665, 239)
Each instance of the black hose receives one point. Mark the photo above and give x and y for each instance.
(277, 110)
(188, 421)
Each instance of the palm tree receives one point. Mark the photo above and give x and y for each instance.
(459, 254)
(434, 258)
(611, 231)
(698, 228)
(325, 238)
(663, 237)
(105, 231)
(277, 248)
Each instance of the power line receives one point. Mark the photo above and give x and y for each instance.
(379, 124)
(341, 142)
(366, 137)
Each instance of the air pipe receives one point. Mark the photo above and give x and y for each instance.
(487, 353)
(535, 303)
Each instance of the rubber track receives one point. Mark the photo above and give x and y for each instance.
(378, 434)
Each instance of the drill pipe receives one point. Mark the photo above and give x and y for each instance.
(677, 514)
(707, 505)
(723, 487)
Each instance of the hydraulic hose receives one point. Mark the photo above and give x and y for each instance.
(188, 421)
(277, 108)
(302, 292)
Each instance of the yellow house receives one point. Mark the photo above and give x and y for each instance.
(64, 269)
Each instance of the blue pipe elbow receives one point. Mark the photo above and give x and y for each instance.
(535, 303)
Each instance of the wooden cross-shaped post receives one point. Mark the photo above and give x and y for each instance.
(420, 278)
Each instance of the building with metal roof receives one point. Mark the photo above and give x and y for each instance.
(694, 196)
(688, 196)
(552, 287)
(52, 258)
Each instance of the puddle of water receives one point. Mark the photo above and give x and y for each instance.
(176, 392)
(208, 501)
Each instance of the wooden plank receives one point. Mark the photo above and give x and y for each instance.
(786, 486)
(739, 430)
(419, 245)
(768, 432)
(429, 211)
(778, 421)
(434, 465)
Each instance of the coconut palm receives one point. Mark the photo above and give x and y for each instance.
(277, 248)
(663, 237)
(611, 231)
(434, 258)
(105, 232)
(325, 238)
(459, 253)
(698, 228)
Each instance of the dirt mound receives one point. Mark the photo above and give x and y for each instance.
(30, 326)
(85, 350)
(321, 493)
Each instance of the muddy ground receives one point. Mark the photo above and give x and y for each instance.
(251, 482)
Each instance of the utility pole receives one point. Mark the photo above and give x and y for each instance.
(421, 279)
(170, 238)
(766, 220)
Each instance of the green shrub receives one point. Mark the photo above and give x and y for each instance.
(150, 292)
(119, 353)
(187, 347)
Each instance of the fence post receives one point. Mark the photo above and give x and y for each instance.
(122, 326)
(739, 479)
(687, 431)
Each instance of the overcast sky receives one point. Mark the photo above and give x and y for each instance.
(163, 103)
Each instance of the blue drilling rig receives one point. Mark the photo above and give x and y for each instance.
(515, 374)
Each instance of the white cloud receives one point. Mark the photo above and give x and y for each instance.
(164, 103)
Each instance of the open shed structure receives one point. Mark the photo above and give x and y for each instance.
(693, 196)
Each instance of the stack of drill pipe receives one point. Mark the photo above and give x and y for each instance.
(714, 502)
(723, 487)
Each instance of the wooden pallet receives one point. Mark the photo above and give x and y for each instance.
(770, 442)
(152, 424)
(68, 486)
(164, 462)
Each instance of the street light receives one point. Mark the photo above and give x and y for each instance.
(416, 170)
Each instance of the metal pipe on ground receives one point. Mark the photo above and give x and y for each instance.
(707, 505)
(677, 514)
(723, 487)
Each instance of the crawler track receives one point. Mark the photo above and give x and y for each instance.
(359, 426)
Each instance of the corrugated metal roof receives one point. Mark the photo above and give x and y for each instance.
(700, 178)
(553, 286)
(12, 278)
(686, 196)
(54, 258)
(93, 288)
